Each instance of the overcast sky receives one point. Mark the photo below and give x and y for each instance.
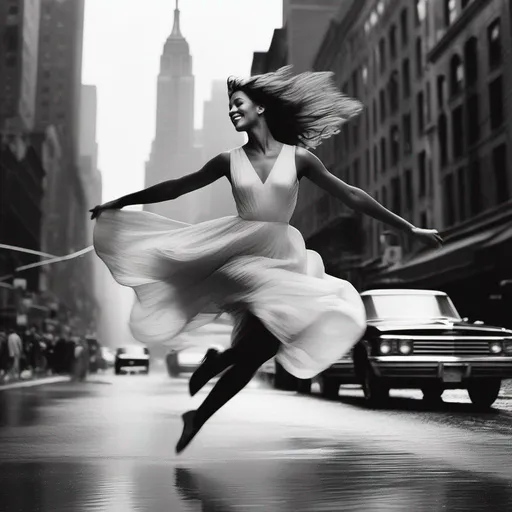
(123, 42)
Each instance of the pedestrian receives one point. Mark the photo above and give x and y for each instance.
(255, 265)
(15, 347)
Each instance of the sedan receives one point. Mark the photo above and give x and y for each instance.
(132, 358)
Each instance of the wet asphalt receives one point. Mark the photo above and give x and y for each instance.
(108, 445)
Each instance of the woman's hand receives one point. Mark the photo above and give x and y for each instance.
(428, 237)
(111, 205)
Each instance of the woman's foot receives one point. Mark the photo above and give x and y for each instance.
(206, 371)
(190, 429)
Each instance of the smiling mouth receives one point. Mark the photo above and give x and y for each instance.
(236, 118)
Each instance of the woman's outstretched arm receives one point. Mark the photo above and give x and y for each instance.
(312, 168)
(213, 170)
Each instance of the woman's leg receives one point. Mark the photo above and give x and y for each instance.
(255, 347)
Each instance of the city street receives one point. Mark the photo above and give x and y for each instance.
(108, 445)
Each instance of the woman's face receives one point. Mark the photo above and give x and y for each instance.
(244, 113)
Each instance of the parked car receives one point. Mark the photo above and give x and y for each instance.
(187, 359)
(417, 339)
(132, 358)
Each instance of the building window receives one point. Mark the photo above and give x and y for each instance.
(383, 157)
(375, 162)
(471, 61)
(419, 58)
(456, 75)
(382, 55)
(450, 11)
(368, 170)
(406, 78)
(440, 90)
(443, 140)
(422, 172)
(473, 119)
(392, 41)
(396, 196)
(499, 164)
(496, 102)
(420, 107)
(382, 100)
(461, 185)
(409, 190)
(458, 131)
(428, 103)
(494, 44)
(407, 133)
(355, 178)
(355, 132)
(394, 142)
(393, 92)
(475, 188)
(421, 11)
(449, 206)
(404, 27)
(374, 116)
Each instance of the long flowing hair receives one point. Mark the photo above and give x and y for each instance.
(300, 110)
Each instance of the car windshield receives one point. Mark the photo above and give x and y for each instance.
(409, 307)
(133, 350)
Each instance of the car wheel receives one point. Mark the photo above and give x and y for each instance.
(329, 388)
(432, 394)
(117, 371)
(483, 393)
(304, 386)
(376, 393)
(284, 380)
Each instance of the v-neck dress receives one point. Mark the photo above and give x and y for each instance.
(184, 276)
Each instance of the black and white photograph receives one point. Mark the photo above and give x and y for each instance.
(255, 255)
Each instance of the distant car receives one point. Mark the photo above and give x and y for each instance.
(416, 339)
(132, 358)
(187, 360)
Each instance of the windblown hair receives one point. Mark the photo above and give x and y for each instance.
(300, 110)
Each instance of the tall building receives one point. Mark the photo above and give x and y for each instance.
(19, 26)
(218, 135)
(304, 25)
(58, 105)
(173, 152)
(433, 76)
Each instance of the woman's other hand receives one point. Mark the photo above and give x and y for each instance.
(110, 205)
(430, 237)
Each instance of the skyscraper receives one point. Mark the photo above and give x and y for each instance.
(173, 153)
(19, 26)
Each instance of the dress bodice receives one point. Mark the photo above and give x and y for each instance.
(271, 201)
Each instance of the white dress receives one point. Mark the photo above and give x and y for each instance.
(186, 275)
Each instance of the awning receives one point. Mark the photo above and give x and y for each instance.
(433, 263)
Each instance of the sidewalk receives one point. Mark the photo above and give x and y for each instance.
(506, 389)
(30, 381)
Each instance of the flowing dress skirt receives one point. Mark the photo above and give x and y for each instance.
(184, 276)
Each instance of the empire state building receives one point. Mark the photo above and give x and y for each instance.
(172, 152)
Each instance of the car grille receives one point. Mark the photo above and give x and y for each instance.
(460, 347)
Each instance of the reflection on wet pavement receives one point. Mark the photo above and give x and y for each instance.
(67, 448)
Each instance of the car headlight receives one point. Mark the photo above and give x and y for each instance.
(405, 347)
(507, 347)
(496, 347)
(385, 347)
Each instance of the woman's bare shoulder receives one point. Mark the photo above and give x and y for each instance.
(305, 160)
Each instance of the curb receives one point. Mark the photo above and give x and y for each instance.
(32, 383)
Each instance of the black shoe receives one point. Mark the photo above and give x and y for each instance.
(206, 371)
(189, 431)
